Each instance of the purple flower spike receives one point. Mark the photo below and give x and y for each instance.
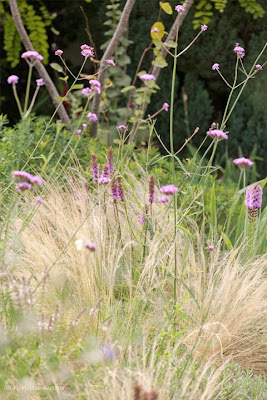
(104, 178)
(95, 169)
(254, 197)
(151, 190)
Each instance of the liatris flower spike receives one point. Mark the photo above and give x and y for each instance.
(110, 161)
(13, 79)
(243, 162)
(253, 200)
(119, 189)
(151, 190)
(169, 189)
(95, 169)
(104, 178)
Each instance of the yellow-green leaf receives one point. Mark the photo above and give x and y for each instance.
(160, 33)
(166, 7)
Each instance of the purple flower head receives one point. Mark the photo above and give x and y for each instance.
(90, 246)
(84, 126)
(132, 106)
(32, 54)
(110, 161)
(92, 116)
(119, 189)
(104, 178)
(253, 198)
(36, 179)
(204, 27)
(169, 189)
(96, 85)
(22, 175)
(79, 132)
(147, 77)
(86, 91)
(179, 8)
(164, 199)
(22, 186)
(217, 133)
(151, 189)
(166, 106)
(213, 125)
(113, 191)
(40, 82)
(58, 52)
(210, 248)
(243, 162)
(258, 67)
(240, 51)
(39, 200)
(110, 62)
(108, 351)
(216, 67)
(143, 219)
(13, 79)
(155, 30)
(87, 51)
(95, 169)
(122, 128)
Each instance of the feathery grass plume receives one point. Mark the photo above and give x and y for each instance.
(95, 169)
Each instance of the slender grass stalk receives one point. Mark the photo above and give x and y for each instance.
(17, 97)
(28, 88)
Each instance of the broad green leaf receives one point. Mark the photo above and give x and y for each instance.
(166, 7)
(170, 43)
(160, 33)
(127, 88)
(56, 67)
(160, 62)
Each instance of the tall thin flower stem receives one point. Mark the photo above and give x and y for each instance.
(32, 102)
(230, 95)
(16, 97)
(28, 88)
(173, 167)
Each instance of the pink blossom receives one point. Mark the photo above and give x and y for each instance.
(92, 116)
(22, 175)
(58, 52)
(32, 54)
(243, 162)
(122, 128)
(20, 187)
(169, 189)
(210, 248)
(84, 126)
(143, 219)
(40, 82)
(164, 199)
(79, 132)
(213, 125)
(96, 85)
(110, 62)
(36, 179)
(217, 133)
(90, 246)
(240, 51)
(165, 106)
(216, 67)
(86, 91)
(147, 77)
(104, 178)
(155, 30)
(13, 79)
(39, 200)
(204, 27)
(179, 8)
(85, 47)
(259, 67)
(87, 51)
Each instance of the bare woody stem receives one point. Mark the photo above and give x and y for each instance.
(156, 70)
(122, 25)
(38, 65)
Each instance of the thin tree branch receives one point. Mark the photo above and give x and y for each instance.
(38, 65)
(156, 70)
(122, 25)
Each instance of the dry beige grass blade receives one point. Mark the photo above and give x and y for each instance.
(230, 322)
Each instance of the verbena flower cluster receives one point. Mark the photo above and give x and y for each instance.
(26, 180)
